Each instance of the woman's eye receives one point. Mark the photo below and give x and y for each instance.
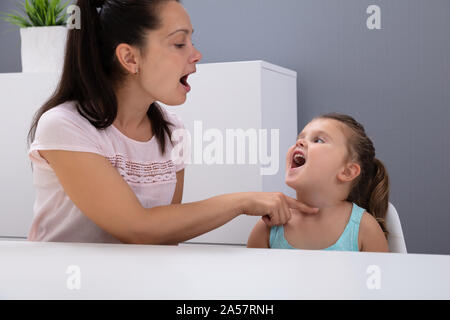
(180, 45)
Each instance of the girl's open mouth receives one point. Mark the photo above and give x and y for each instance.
(298, 160)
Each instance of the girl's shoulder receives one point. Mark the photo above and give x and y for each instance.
(370, 233)
(259, 236)
(368, 222)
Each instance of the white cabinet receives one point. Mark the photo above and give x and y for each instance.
(21, 95)
(260, 99)
(257, 97)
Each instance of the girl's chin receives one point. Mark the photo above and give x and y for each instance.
(300, 184)
(292, 177)
(293, 183)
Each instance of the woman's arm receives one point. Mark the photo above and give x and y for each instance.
(178, 194)
(260, 236)
(371, 236)
(99, 191)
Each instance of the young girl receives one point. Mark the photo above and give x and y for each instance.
(333, 167)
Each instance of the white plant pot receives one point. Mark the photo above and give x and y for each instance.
(43, 48)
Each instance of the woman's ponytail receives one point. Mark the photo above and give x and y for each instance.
(94, 90)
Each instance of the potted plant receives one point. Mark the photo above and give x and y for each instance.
(43, 34)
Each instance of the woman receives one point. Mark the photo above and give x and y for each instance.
(101, 144)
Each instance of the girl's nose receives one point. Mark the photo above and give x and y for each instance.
(300, 143)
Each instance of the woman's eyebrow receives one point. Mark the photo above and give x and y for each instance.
(186, 31)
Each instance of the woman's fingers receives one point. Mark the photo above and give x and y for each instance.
(274, 207)
(288, 210)
(286, 213)
(266, 220)
(276, 218)
(279, 211)
(295, 204)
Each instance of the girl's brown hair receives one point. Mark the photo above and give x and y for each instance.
(370, 190)
(91, 70)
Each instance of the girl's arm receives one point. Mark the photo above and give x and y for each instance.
(99, 191)
(260, 236)
(371, 236)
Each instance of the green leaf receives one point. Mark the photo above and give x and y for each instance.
(38, 13)
(17, 20)
(62, 8)
(40, 6)
(31, 13)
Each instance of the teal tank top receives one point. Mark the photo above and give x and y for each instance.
(348, 241)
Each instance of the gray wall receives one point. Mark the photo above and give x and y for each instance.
(395, 81)
(9, 41)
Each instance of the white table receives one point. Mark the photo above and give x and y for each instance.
(35, 270)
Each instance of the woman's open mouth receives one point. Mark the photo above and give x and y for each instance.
(184, 82)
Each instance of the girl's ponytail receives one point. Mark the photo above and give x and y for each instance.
(378, 194)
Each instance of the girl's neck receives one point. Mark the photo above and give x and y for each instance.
(327, 207)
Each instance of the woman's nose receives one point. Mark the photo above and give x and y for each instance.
(196, 56)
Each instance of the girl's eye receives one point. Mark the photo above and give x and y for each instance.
(179, 45)
(319, 139)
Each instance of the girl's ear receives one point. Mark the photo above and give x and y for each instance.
(349, 172)
(127, 57)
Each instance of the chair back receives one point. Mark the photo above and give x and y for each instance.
(396, 240)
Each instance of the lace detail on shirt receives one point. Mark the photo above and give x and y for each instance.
(144, 172)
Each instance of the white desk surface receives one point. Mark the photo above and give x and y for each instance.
(36, 270)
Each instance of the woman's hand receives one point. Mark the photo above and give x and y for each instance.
(273, 206)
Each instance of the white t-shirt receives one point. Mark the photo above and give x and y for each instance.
(151, 175)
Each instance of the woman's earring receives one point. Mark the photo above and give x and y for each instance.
(136, 71)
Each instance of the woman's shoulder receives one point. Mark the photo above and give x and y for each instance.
(66, 110)
(66, 115)
(62, 127)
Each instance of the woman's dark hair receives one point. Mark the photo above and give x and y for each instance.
(370, 190)
(91, 69)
